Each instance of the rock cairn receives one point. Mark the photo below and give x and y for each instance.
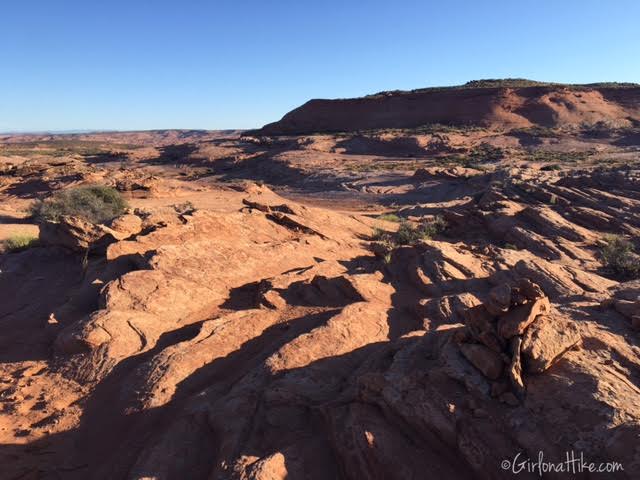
(514, 331)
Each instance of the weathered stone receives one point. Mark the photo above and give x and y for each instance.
(78, 235)
(273, 299)
(501, 294)
(552, 277)
(484, 359)
(273, 467)
(529, 289)
(546, 340)
(515, 368)
(447, 309)
(517, 297)
(627, 308)
(478, 319)
(491, 340)
(368, 287)
(421, 280)
(519, 318)
(127, 225)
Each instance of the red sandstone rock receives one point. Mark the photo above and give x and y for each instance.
(484, 359)
(519, 318)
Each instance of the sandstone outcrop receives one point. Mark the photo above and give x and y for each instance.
(226, 331)
(466, 104)
(79, 235)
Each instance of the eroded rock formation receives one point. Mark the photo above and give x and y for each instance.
(268, 341)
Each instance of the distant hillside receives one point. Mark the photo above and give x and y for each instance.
(505, 103)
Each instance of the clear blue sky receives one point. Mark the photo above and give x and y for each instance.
(142, 64)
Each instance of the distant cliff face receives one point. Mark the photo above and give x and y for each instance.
(492, 107)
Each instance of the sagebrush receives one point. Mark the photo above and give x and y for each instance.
(618, 255)
(408, 233)
(96, 204)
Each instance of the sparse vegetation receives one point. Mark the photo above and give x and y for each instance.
(62, 148)
(381, 165)
(485, 153)
(506, 83)
(389, 217)
(434, 227)
(17, 243)
(601, 129)
(378, 234)
(536, 131)
(618, 255)
(475, 158)
(97, 204)
(559, 157)
(426, 129)
(408, 233)
(439, 128)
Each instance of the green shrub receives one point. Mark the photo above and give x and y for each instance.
(408, 233)
(485, 152)
(389, 217)
(535, 132)
(434, 227)
(379, 234)
(475, 158)
(17, 243)
(562, 157)
(618, 254)
(96, 204)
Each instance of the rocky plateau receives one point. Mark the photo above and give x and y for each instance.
(243, 319)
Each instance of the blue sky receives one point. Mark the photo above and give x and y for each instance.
(239, 64)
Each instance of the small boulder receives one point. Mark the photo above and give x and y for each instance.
(77, 234)
(478, 319)
(484, 359)
(127, 225)
(546, 340)
(530, 290)
(519, 318)
(491, 340)
(499, 300)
